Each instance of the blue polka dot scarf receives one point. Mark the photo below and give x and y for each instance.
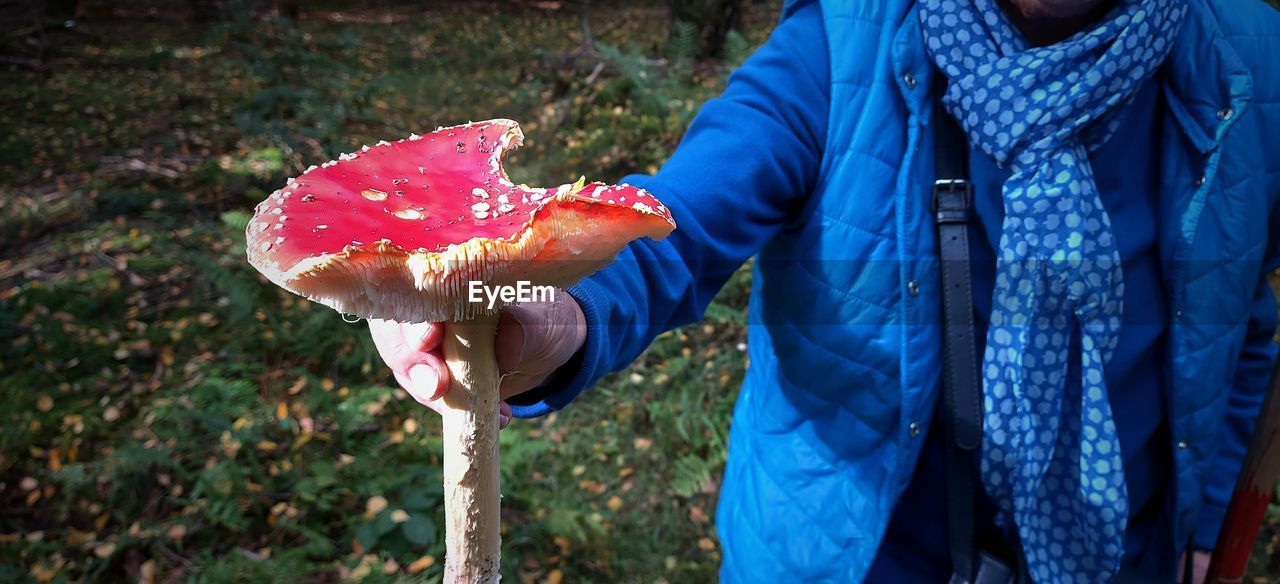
(1051, 459)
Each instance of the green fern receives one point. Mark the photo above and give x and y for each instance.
(736, 49)
(690, 474)
(683, 45)
(237, 220)
(724, 314)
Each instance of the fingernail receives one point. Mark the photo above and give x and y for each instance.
(503, 421)
(424, 380)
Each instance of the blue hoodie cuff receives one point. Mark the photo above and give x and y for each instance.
(580, 372)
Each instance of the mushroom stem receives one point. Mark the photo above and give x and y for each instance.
(471, 478)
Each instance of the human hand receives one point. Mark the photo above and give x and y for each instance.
(533, 340)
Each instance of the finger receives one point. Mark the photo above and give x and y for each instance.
(398, 342)
(427, 379)
(422, 336)
(504, 415)
(513, 384)
(538, 337)
(386, 337)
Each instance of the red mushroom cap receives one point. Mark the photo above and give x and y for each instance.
(398, 230)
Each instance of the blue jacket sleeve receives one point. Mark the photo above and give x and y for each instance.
(1249, 386)
(747, 163)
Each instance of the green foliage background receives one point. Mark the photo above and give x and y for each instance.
(168, 415)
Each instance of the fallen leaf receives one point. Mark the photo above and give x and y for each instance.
(104, 550)
(76, 538)
(421, 564)
(374, 506)
(42, 572)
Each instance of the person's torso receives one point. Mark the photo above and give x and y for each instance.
(1126, 173)
(844, 336)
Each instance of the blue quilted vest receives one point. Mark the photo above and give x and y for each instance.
(829, 423)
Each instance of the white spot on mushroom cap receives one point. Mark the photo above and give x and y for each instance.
(374, 194)
(408, 214)
(479, 192)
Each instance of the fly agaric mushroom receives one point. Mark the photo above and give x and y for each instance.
(399, 231)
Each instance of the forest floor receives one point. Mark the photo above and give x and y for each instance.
(168, 415)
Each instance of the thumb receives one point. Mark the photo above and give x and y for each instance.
(508, 345)
(538, 338)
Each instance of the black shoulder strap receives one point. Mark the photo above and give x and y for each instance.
(962, 415)
(953, 207)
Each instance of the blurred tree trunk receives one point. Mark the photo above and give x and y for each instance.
(711, 21)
